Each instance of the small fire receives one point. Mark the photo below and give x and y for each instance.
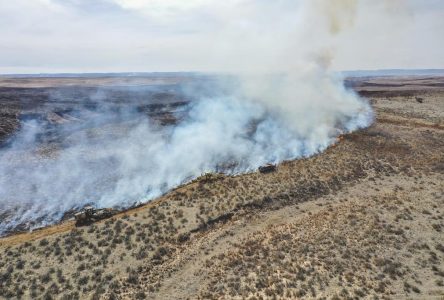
(338, 140)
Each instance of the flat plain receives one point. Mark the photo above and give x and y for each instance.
(362, 220)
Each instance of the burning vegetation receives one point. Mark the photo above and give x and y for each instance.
(120, 146)
(362, 219)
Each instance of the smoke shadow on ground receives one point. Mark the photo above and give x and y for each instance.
(119, 146)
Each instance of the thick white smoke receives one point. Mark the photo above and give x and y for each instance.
(285, 107)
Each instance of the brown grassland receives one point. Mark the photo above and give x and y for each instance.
(362, 220)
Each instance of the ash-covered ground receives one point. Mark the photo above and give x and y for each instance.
(361, 220)
(119, 141)
(41, 117)
(77, 104)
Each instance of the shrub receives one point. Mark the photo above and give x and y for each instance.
(83, 280)
(183, 237)
(81, 267)
(133, 278)
(43, 242)
(140, 295)
(45, 278)
(20, 264)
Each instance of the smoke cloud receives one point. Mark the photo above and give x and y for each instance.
(284, 103)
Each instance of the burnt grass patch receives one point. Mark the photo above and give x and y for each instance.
(385, 244)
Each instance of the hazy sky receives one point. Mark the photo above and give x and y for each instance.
(211, 35)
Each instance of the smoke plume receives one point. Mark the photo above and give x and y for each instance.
(284, 103)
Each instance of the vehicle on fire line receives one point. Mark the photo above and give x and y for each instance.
(89, 215)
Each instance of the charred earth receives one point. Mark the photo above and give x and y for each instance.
(363, 219)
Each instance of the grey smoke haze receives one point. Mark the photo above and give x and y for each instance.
(286, 104)
(144, 161)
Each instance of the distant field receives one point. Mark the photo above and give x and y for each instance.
(364, 219)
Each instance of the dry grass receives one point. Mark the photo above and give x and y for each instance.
(364, 219)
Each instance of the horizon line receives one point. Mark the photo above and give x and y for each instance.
(132, 73)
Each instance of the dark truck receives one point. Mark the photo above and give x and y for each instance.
(89, 215)
(268, 168)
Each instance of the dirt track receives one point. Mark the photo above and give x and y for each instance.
(364, 219)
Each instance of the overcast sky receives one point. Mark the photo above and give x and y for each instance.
(212, 35)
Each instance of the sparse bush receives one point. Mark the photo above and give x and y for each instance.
(183, 237)
(114, 285)
(60, 277)
(416, 289)
(43, 242)
(133, 278)
(112, 296)
(83, 280)
(45, 278)
(140, 295)
(20, 264)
